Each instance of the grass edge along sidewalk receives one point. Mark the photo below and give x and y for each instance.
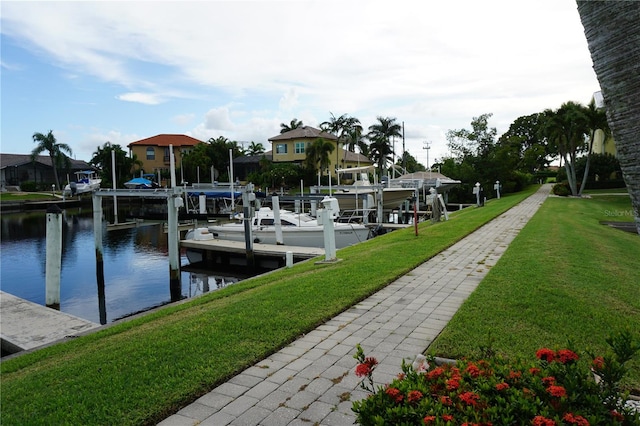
(565, 280)
(140, 371)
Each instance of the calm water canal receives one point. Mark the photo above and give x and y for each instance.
(136, 266)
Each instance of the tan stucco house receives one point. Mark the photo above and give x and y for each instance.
(154, 151)
(291, 146)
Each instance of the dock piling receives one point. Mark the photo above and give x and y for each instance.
(53, 256)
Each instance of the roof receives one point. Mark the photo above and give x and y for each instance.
(17, 160)
(250, 159)
(304, 132)
(426, 176)
(166, 140)
(354, 157)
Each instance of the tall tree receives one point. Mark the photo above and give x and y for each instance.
(345, 128)
(524, 139)
(255, 148)
(475, 157)
(380, 135)
(410, 163)
(596, 120)
(478, 141)
(612, 30)
(49, 143)
(295, 123)
(568, 127)
(125, 166)
(318, 155)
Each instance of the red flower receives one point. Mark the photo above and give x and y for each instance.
(598, 363)
(363, 370)
(542, 421)
(567, 355)
(371, 361)
(445, 400)
(617, 416)
(428, 420)
(515, 375)
(546, 354)
(548, 381)
(534, 371)
(576, 420)
(447, 417)
(453, 384)
(502, 386)
(435, 373)
(395, 394)
(366, 367)
(414, 396)
(557, 391)
(473, 370)
(469, 398)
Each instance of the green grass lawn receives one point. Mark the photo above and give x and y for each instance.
(25, 196)
(565, 278)
(143, 370)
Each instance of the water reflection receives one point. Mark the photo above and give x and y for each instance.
(135, 261)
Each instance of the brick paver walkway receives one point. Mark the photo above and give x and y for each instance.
(312, 381)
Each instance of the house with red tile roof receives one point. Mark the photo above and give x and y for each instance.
(154, 151)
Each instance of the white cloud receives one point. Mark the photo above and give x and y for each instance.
(143, 98)
(433, 65)
(218, 119)
(183, 119)
(289, 99)
(95, 138)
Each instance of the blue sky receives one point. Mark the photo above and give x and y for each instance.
(120, 71)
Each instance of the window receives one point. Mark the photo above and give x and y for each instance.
(300, 147)
(151, 154)
(281, 148)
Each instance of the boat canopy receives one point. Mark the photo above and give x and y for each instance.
(215, 194)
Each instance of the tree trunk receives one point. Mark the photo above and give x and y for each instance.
(54, 166)
(586, 166)
(612, 29)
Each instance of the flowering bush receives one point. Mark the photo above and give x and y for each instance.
(559, 388)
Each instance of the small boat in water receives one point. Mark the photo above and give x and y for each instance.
(298, 229)
(86, 181)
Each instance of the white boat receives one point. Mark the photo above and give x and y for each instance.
(352, 198)
(86, 181)
(298, 229)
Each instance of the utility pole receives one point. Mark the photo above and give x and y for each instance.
(404, 157)
(427, 146)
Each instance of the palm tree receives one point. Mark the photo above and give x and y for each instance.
(56, 151)
(596, 120)
(125, 166)
(318, 154)
(255, 148)
(380, 135)
(295, 123)
(567, 127)
(346, 128)
(613, 36)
